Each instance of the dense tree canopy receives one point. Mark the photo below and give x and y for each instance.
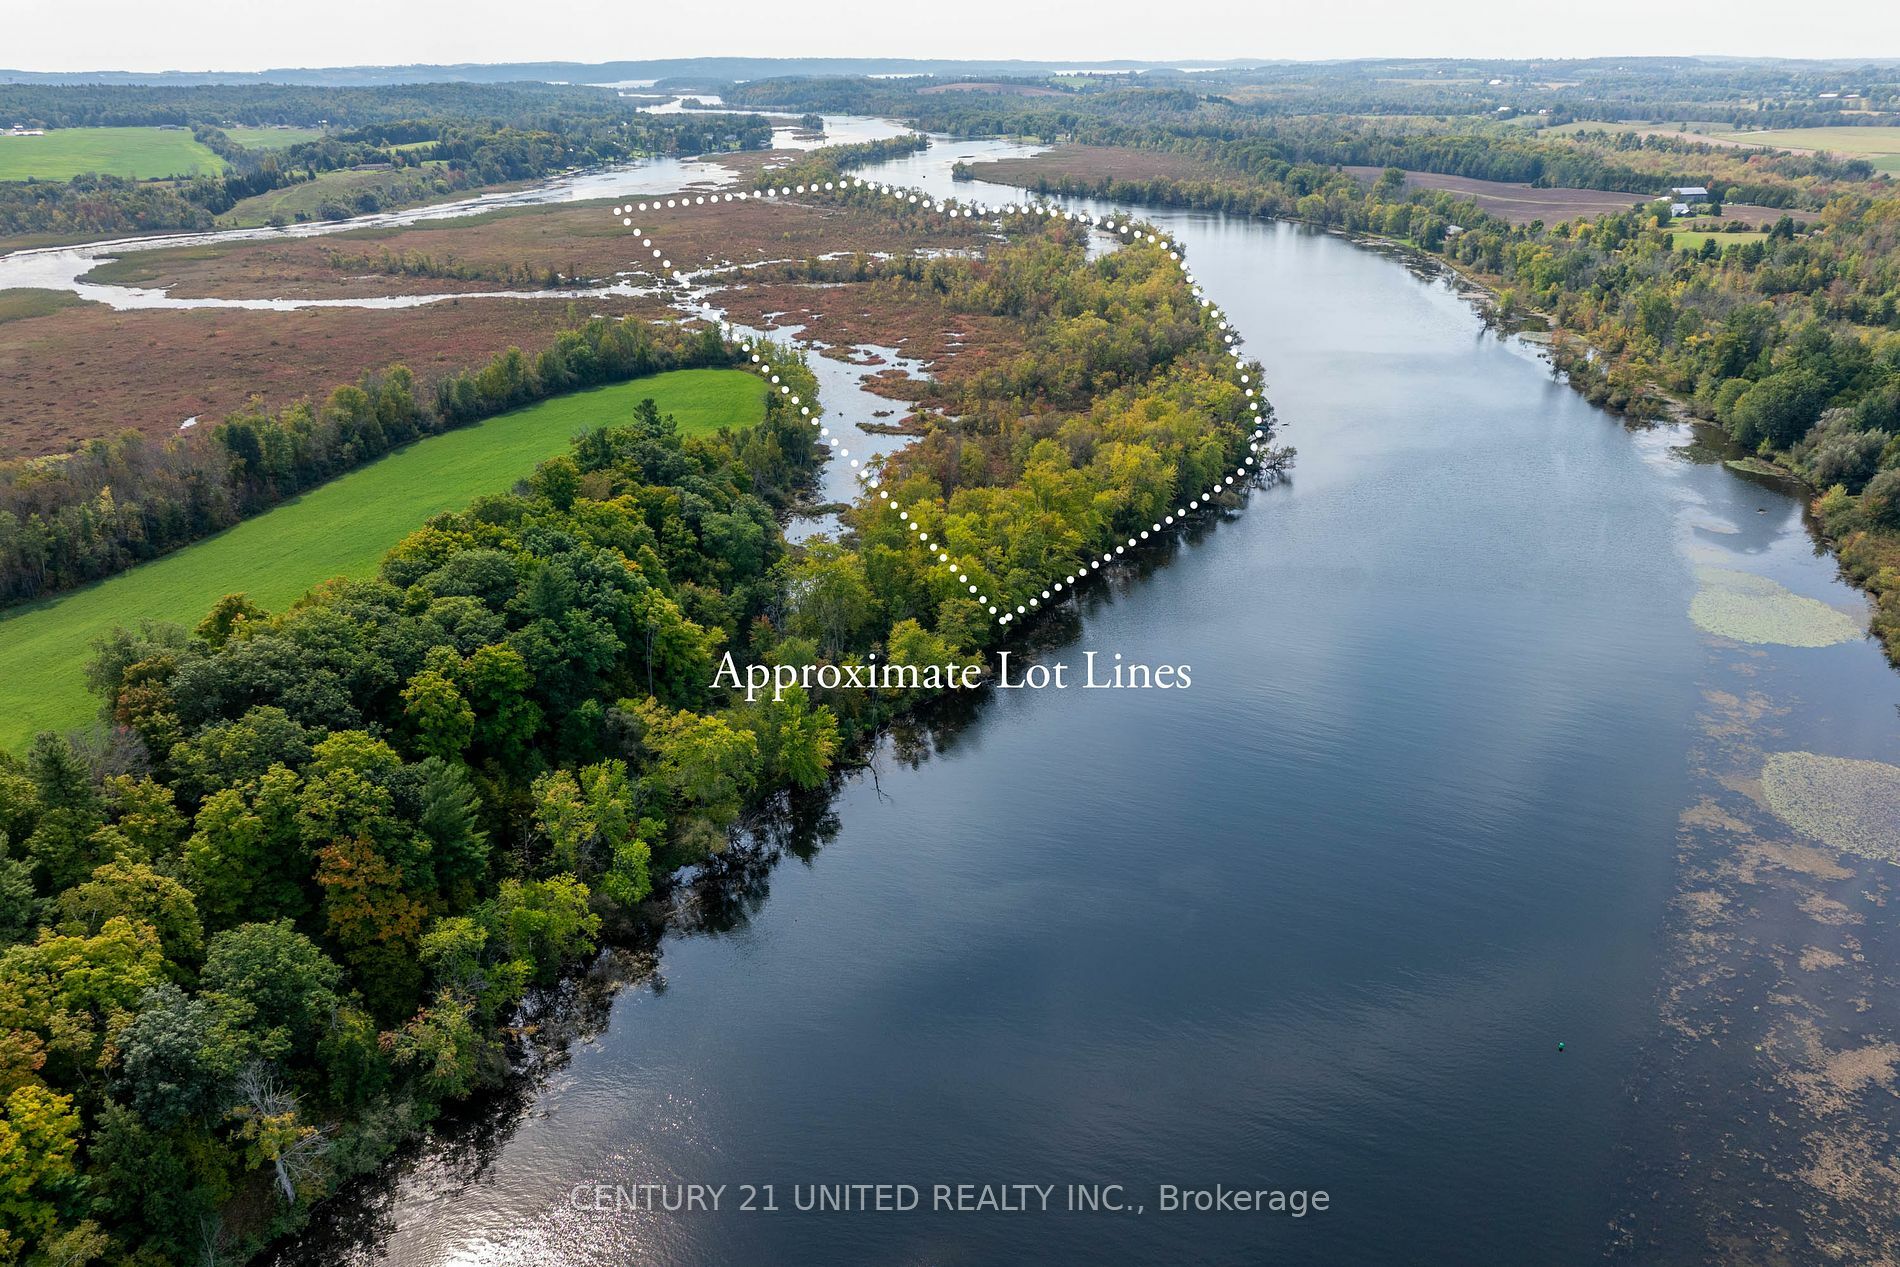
(278, 912)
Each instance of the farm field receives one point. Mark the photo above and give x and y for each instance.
(1518, 203)
(272, 138)
(1692, 239)
(1704, 132)
(340, 529)
(1757, 217)
(139, 153)
(1880, 145)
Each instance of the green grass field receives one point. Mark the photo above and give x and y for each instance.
(340, 529)
(1690, 239)
(140, 153)
(391, 187)
(272, 138)
(1880, 145)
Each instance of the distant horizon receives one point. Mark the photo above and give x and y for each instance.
(223, 36)
(1130, 63)
(971, 64)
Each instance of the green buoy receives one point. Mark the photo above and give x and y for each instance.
(1560, 1046)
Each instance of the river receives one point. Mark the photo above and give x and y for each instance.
(1321, 921)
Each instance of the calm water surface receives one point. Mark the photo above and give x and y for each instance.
(1319, 922)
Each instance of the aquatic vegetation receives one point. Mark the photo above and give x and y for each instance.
(1755, 466)
(1750, 608)
(1850, 805)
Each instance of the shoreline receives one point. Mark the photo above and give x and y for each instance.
(1562, 345)
(1863, 571)
(863, 727)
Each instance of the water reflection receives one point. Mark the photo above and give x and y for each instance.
(1321, 920)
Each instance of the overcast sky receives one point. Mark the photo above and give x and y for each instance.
(251, 35)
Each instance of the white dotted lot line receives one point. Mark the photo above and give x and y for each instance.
(924, 202)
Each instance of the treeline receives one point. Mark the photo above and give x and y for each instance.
(1775, 180)
(284, 910)
(1250, 134)
(1790, 340)
(114, 503)
(267, 105)
(1625, 165)
(390, 263)
(856, 154)
(530, 139)
(831, 161)
(1766, 94)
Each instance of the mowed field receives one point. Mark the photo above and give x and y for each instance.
(1700, 132)
(139, 153)
(1692, 239)
(1880, 145)
(340, 529)
(272, 138)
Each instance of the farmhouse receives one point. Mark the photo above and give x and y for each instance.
(1690, 191)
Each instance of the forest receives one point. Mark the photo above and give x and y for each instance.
(271, 918)
(73, 105)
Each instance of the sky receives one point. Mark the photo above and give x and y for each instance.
(244, 35)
